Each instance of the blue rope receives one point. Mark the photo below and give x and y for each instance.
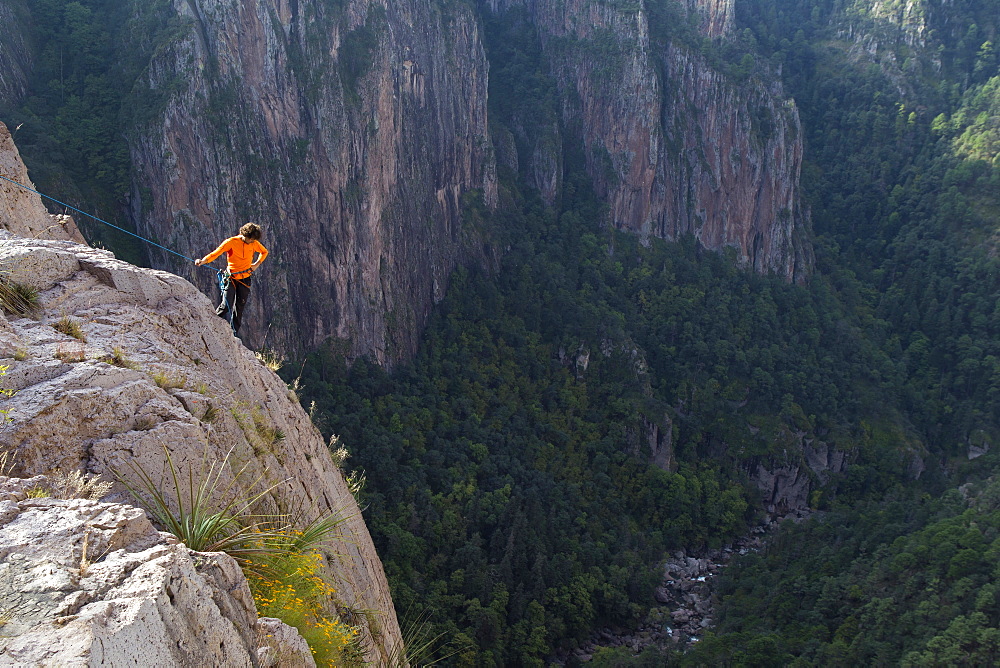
(96, 218)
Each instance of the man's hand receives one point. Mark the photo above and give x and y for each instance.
(197, 262)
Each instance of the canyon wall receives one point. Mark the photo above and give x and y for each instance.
(675, 145)
(355, 132)
(15, 53)
(351, 131)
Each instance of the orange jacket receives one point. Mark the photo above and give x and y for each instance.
(239, 254)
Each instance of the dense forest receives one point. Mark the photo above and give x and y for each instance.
(593, 403)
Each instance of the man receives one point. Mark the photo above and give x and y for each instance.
(236, 281)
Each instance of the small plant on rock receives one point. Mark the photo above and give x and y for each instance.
(17, 298)
(270, 359)
(211, 415)
(117, 357)
(190, 514)
(4, 419)
(168, 381)
(69, 327)
(77, 485)
(268, 433)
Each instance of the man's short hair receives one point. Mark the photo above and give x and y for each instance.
(251, 231)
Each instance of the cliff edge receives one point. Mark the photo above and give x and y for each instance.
(146, 368)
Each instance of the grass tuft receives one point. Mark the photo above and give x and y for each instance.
(268, 433)
(17, 298)
(211, 415)
(269, 358)
(168, 381)
(69, 327)
(117, 357)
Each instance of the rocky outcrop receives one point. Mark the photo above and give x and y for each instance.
(117, 364)
(785, 486)
(876, 23)
(351, 131)
(21, 211)
(675, 146)
(717, 16)
(88, 583)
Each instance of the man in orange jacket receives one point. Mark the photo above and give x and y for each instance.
(240, 255)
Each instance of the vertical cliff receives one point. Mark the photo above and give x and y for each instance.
(350, 130)
(674, 144)
(716, 16)
(15, 54)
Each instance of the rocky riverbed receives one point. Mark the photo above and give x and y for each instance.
(685, 604)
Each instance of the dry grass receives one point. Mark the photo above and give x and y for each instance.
(69, 327)
(168, 381)
(74, 352)
(270, 359)
(77, 485)
(17, 298)
(117, 357)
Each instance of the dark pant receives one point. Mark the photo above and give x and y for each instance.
(237, 292)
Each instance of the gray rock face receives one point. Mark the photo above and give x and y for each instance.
(21, 212)
(85, 583)
(152, 369)
(350, 131)
(673, 145)
(785, 486)
(15, 58)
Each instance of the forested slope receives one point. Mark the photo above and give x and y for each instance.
(539, 386)
(598, 399)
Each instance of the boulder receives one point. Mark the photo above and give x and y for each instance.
(89, 583)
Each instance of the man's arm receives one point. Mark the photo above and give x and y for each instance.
(211, 257)
(262, 253)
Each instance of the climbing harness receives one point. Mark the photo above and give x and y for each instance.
(225, 277)
(95, 218)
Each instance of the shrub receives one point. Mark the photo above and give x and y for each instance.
(280, 561)
(287, 587)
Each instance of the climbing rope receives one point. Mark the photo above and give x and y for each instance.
(95, 218)
(223, 275)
